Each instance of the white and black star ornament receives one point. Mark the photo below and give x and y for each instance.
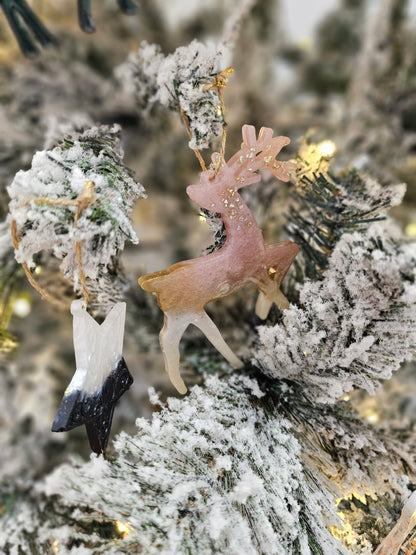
(101, 375)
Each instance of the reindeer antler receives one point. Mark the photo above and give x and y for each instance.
(261, 152)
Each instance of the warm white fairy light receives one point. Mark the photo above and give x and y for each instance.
(122, 528)
(316, 157)
(22, 307)
(305, 43)
(346, 534)
(372, 417)
(327, 148)
(410, 229)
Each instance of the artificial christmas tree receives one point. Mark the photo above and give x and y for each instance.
(309, 446)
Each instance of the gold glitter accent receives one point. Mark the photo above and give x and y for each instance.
(220, 80)
(272, 273)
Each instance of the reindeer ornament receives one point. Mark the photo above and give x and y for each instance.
(185, 288)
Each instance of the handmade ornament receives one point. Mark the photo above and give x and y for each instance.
(24, 22)
(101, 375)
(81, 217)
(185, 288)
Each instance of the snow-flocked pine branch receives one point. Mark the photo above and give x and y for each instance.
(45, 220)
(201, 477)
(353, 327)
(177, 82)
(325, 206)
(183, 80)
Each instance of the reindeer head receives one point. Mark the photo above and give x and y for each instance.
(242, 168)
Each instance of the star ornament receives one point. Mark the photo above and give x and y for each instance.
(101, 375)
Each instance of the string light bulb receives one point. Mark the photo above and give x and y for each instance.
(327, 148)
(410, 229)
(372, 417)
(122, 529)
(22, 306)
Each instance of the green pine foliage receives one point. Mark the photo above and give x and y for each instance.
(325, 206)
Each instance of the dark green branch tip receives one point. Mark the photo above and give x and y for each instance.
(30, 31)
(320, 215)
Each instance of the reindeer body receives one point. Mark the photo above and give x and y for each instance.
(185, 288)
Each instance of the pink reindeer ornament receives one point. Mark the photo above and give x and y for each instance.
(185, 288)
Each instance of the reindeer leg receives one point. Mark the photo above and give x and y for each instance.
(279, 257)
(264, 302)
(170, 336)
(207, 326)
(263, 306)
